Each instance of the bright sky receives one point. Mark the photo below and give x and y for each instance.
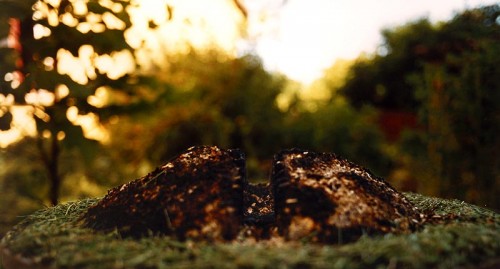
(309, 35)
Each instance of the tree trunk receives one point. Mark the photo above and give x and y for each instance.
(53, 170)
(50, 158)
(49, 154)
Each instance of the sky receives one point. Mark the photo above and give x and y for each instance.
(307, 36)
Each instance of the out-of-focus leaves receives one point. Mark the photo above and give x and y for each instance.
(16, 8)
(381, 80)
(75, 140)
(96, 7)
(447, 75)
(152, 24)
(108, 41)
(5, 121)
(404, 51)
(170, 12)
(37, 63)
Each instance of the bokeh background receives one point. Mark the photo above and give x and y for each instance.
(95, 93)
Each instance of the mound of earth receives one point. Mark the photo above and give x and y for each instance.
(203, 194)
(199, 194)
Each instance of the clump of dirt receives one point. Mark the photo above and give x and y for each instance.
(259, 211)
(198, 194)
(332, 200)
(203, 194)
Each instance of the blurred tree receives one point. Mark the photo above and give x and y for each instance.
(57, 59)
(332, 123)
(460, 98)
(336, 126)
(447, 73)
(381, 80)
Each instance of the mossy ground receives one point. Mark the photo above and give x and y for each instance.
(470, 238)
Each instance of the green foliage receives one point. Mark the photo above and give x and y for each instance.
(381, 80)
(460, 105)
(5, 120)
(338, 127)
(459, 112)
(448, 75)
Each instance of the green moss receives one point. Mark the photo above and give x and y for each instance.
(52, 236)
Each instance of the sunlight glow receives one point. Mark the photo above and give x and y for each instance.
(61, 135)
(48, 63)
(80, 7)
(40, 31)
(115, 65)
(91, 127)
(61, 91)
(115, 7)
(71, 66)
(14, 78)
(199, 24)
(69, 20)
(100, 98)
(309, 36)
(22, 123)
(40, 113)
(6, 100)
(81, 69)
(112, 22)
(40, 97)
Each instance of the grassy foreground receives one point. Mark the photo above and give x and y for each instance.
(468, 237)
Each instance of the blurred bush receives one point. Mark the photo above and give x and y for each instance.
(448, 76)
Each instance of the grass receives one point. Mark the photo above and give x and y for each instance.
(470, 236)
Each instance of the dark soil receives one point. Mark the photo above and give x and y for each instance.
(198, 194)
(203, 194)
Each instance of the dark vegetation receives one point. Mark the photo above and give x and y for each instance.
(436, 87)
(445, 75)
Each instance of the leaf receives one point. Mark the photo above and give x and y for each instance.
(152, 25)
(5, 121)
(95, 7)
